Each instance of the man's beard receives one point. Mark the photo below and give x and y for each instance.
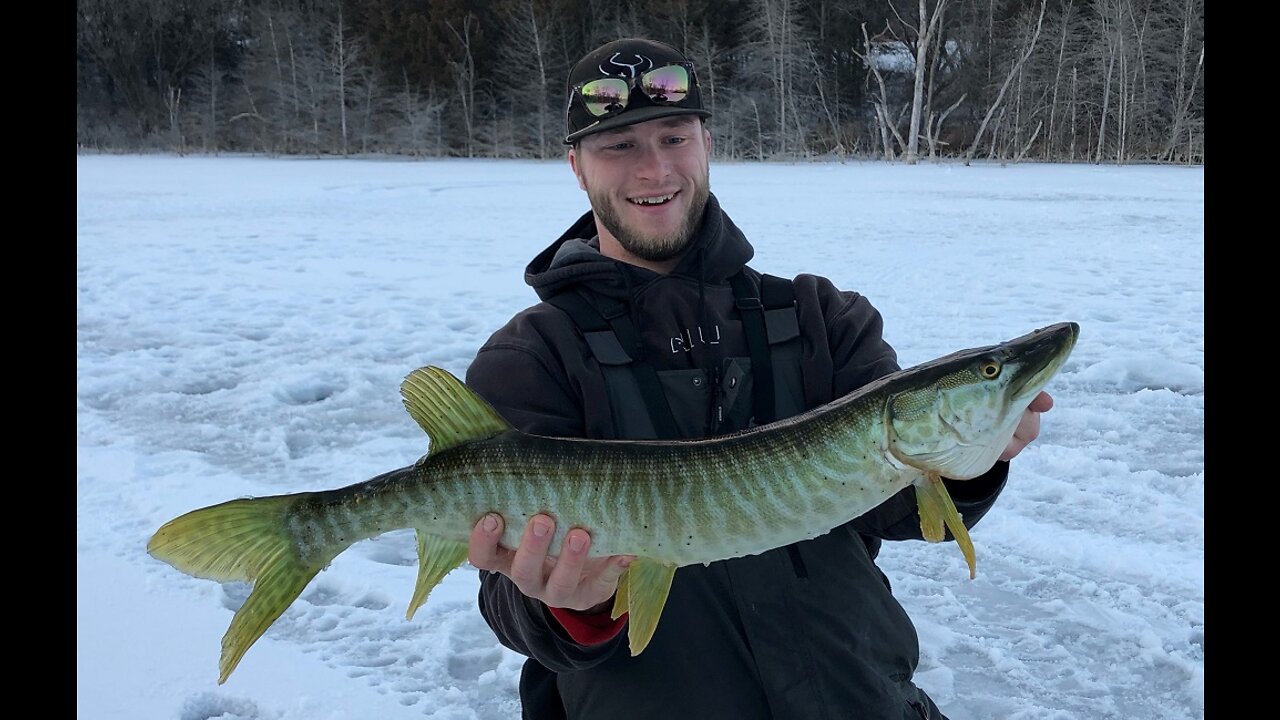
(649, 247)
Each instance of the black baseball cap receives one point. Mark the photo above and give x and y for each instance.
(626, 58)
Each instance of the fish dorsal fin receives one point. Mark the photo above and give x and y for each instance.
(450, 412)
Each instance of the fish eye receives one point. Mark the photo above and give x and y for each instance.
(990, 369)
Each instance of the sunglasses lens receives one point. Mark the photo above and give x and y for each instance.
(666, 85)
(605, 96)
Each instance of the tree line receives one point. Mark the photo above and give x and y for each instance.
(1112, 81)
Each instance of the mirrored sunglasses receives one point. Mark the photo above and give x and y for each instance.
(663, 85)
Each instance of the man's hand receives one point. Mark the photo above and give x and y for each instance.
(572, 580)
(1029, 426)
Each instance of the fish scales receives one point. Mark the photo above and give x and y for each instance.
(636, 498)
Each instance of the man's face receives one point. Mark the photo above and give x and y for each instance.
(648, 183)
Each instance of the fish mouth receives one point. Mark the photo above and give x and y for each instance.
(1040, 354)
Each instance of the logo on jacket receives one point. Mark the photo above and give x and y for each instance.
(685, 340)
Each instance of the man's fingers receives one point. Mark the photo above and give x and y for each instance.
(568, 580)
(606, 581)
(566, 576)
(1041, 403)
(1028, 426)
(483, 550)
(527, 567)
(1027, 430)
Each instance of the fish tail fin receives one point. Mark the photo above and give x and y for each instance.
(937, 510)
(241, 540)
(280, 583)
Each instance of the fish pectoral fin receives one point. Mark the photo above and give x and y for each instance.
(436, 557)
(620, 598)
(451, 413)
(936, 511)
(646, 586)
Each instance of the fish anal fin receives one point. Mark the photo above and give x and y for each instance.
(451, 413)
(647, 585)
(436, 557)
(936, 511)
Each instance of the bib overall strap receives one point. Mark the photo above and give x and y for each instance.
(615, 342)
(768, 317)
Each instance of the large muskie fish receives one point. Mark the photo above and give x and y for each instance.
(668, 503)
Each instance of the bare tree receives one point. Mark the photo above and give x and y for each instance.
(205, 105)
(1075, 82)
(1017, 65)
(1050, 137)
(829, 110)
(264, 106)
(779, 43)
(934, 129)
(527, 71)
(465, 79)
(1129, 81)
(1185, 90)
(418, 131)
(149, 49)
(942, 62)
(344, 53)
(928, 25)
(883, 123)
(285, 91)
(1122, 82)
(1026, 147)
(759, 132)
(1113, 36)
(316, 87)
(706, 69)
(173, 104)
(372, 105)
(111, 33)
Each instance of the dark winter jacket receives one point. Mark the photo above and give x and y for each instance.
(806, 631)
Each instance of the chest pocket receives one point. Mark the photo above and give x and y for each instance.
(646, 404)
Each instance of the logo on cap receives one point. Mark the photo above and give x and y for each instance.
(628, 69)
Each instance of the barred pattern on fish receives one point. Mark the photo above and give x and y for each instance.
(669, 503)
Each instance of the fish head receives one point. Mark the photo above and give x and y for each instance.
(954, 416)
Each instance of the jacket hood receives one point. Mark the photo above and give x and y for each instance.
(717, 251)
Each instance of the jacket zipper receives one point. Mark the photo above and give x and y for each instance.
(717, 406)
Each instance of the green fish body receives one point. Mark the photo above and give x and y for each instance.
(669, 503)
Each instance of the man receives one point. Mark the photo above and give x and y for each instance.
(651, 326)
